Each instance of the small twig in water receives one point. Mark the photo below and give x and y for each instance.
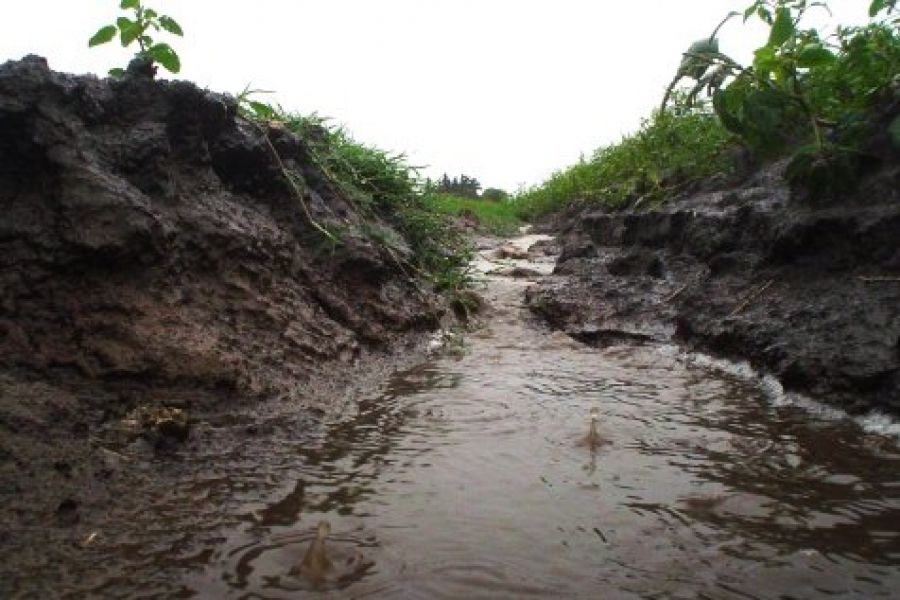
(753, 296)
(677, 293)
(88, 540)
(600, 533)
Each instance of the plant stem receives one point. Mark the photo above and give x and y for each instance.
(139, 19)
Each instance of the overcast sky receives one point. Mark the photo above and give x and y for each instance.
(504, 90)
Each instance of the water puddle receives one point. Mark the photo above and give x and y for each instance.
(467, 477)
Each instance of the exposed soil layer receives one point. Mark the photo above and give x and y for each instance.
(155, 264)
(807, 292)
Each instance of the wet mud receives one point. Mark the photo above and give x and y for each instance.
(158, 275)
(190, 387)
(469, 475)
(807, 292)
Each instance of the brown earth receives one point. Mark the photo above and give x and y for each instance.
(806, 288)
(157, 268)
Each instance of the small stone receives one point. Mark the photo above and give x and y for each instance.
(513, 252)
(172, 423)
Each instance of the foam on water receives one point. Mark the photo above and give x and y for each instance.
(873, 422)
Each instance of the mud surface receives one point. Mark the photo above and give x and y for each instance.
(469, 476)
(157, 273)
(808, 292)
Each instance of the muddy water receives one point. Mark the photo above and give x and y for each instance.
(465, 478)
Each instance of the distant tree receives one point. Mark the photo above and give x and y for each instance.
(462, 185)
(494, 195)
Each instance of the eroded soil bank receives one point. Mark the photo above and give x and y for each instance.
(156, 270)
(807, 290)
(520, 464)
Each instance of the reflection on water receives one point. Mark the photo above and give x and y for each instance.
(465, 478)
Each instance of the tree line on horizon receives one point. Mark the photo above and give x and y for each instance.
(464, 187)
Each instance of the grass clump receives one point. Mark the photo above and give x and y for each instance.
(670, 150)
(498, 217)
(383, 187)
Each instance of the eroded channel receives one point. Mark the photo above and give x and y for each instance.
(465, 478)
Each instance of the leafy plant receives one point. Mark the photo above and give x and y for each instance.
(698, 64)
(813, 96)
(255, 109)
(767, 104)
(804, 94)
(136, 29)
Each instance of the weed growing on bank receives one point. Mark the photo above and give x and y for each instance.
(137, 30)
(671, 150)
(498, 217)
(808, 95)
(381, 186)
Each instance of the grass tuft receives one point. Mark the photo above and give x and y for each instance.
(669, 151)
(498, 217)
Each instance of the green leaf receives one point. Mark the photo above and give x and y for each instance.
(169, 24)
(814, 55)
(150, 14)
(128, 4)
(782, 28)
(164, 55)
(128, 31)
(765, 61)
(261, 109)
(749, 12)
(721, 101)
(876, 7)
(117, 73)
(102, 36)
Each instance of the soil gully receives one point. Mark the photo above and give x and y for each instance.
(465, 478)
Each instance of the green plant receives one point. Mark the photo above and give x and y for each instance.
(254, 109)
(383, 187)
(801, 84)
(498, 217)
(863, 74)
(698, 64)
(768, 104)
(131, 30)
(672, 149)
(494, 195)
(806, 93)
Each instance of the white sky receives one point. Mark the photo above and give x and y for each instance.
(504, 90)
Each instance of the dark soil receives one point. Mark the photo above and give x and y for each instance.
(807, 291)
(156, 268)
